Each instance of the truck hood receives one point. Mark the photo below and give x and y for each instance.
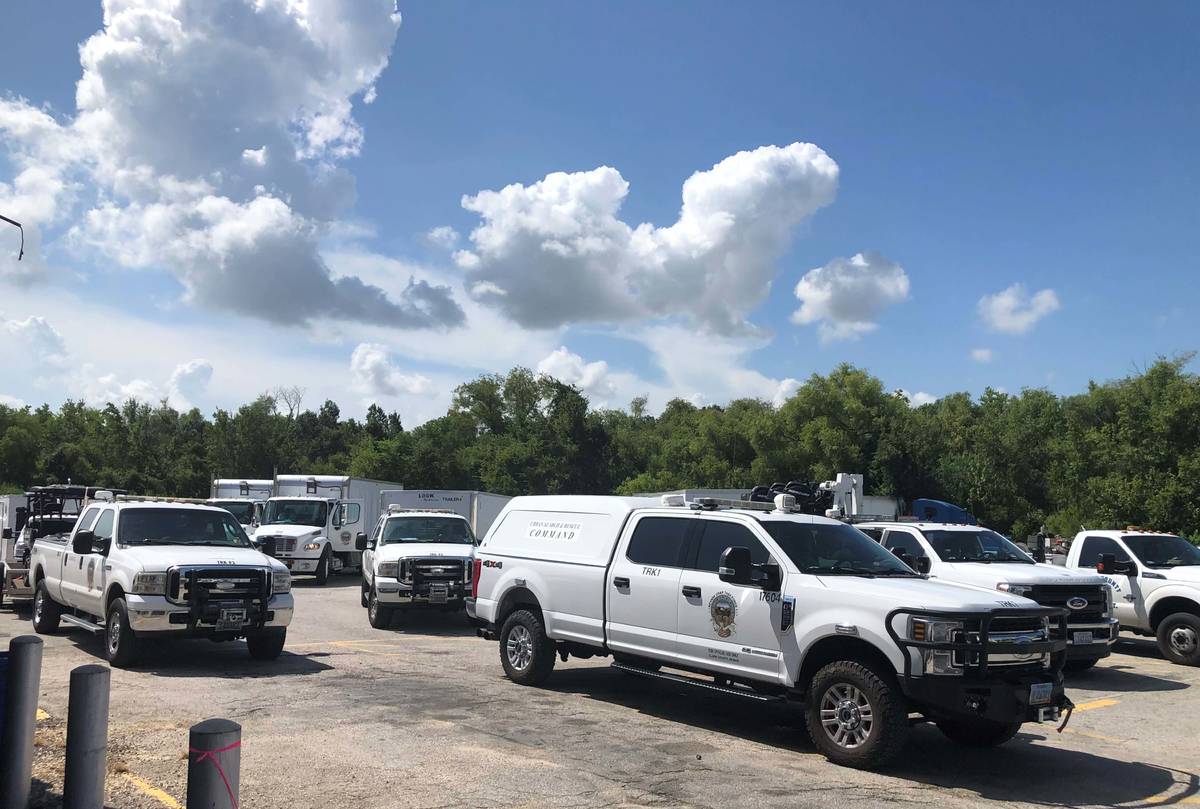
(157, 558)
(400, 550)
(1183, 575)
(923, 594)
(990, 574)
(287, 530)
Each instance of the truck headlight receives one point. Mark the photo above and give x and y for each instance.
(1015, 589)
(150, 584)
(313, 546)
(281, 581)
(388, 569)
(936, 661)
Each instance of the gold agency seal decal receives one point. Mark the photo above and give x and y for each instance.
(722, 608)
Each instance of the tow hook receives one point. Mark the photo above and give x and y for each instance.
(486, 634)
(1067, 716)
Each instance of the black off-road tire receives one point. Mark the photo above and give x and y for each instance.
(888, 732)
(46, 611)
(323, 565)
(380, 615)
(978, 732)
(1078, 666)
(267, 644)
(525, 652)
(365, 589)
(120, 642)
(1179, 638)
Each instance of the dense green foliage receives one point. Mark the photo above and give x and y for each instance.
(1122, 452)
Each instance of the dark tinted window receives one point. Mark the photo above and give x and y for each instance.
(718, 536)
(1163, 550)
(1089, 556)
(874, 533)
(658, 541)
(163, 526)
(980, 545)
(448, 530)
(103, 531)
(89, 517)
(833, 549)
(905, 542)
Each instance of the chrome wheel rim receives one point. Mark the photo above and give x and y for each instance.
(114, 634)
(1184, 640)
(373, 606)
(846, 715)
(38, 604)
(520, 648)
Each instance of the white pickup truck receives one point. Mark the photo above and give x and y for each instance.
(770, 604)
(415, 557)
(138, 570)
(971, 554)
(1155, 581)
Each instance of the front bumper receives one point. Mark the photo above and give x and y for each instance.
(396, 593)
(16, 584)
(157, 616)
(1104, 637)
(1002, 700)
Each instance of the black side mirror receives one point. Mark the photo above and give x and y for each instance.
(7, 534)
(924, 565)
(735, 566)
(82, 543)
(266, 545)
(769, 577)
(905, 557)
(360, 541)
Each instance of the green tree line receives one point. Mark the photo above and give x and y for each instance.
(1122, 452)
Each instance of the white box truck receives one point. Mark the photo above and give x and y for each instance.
(310, 521)
(479, 508)
(242, 498)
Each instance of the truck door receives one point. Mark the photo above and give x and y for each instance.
(347, 521)
(1128, 604)
(722, 626)
(643, 587)
(83, 573)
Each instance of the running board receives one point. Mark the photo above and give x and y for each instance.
(711, 687)
(82, 623)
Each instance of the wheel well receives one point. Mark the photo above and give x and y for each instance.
(38, 575)
(114, 592)
(514, 599)
(1169, 606)
(836, 647)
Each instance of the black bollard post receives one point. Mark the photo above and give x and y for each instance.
(20, 720)
(214, 762)
(87, 738)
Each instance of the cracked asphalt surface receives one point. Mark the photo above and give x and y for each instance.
(422, 716)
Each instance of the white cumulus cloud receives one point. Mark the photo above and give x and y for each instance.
(444, 237)
(557, 252)
(373, 373)
(846, 296)
(566, 366)
(41, 340)
(11, 401)
(188, 382)
(917, 398)
(206, 143)
(1015, 311)
(982, 354)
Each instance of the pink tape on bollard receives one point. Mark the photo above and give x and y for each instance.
(211, 755)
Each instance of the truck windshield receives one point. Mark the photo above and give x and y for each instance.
(827, 549)
(1163, 550)
(178, 526)
(296, 512)
(427, 529)
(242, 511)
(49, 526)
(979, 545)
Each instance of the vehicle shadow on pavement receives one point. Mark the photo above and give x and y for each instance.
(1121, 678)
(431, 622)
(203, 658)
(1139, 647)
(929, 757)
(337, 581)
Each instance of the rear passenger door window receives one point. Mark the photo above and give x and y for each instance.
(1094, 547)
(904, 542)
(103, 532)
(659, 541)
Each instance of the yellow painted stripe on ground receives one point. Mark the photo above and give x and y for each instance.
(146, 788)
(1094, 704)
(1190, 800)
(42, 715)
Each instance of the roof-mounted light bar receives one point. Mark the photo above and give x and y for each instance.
(396, 508)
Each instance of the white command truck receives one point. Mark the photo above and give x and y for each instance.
(770, 604)
(1155, 581)
(137, 570)
(310, 521)
(415, 558)
(244, 499)
(971, 554)
(480, 509)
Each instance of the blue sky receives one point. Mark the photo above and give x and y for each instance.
(976, 146)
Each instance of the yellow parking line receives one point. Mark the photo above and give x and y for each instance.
(148, 789)
(42, 715)
(1094, 704)
(1190, 800)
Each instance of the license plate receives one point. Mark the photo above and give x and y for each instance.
(1040, 693)
(1081, 638)
(231, 619)
(438, 594)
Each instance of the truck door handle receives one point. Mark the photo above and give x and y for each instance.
(620, 582)
(691, 592)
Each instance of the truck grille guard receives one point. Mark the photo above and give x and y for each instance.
(978, 643)
(199, 588)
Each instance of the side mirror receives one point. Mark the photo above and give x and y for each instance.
(337, 516)
(82, 543)
(924, 565)
(7, 534)
(735, 566)
(360, 541)
(769, 577)
(907, 558)
(266, 545)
